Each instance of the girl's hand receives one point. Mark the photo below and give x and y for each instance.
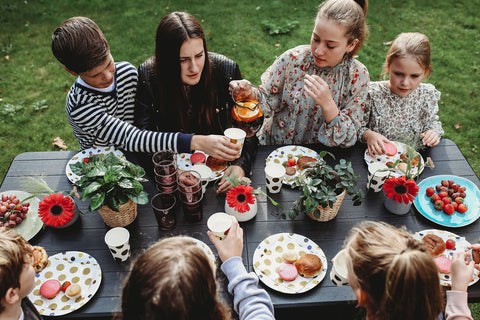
(224, 185)
(235, 83)
(216, 146)
(231, 245)
(319, 91)
(375, 142)
(461, 272)
(430, 138)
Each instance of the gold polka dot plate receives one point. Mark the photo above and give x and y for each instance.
(184, 163)
(282, 154)
(74, 266)
(268, 257)
(86, 154)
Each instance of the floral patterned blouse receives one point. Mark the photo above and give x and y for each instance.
(292, 117)
(399, 118)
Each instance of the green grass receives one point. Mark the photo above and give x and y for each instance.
(31, 78)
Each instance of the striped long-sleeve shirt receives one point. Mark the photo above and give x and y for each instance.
(106, 118)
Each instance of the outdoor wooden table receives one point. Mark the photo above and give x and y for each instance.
(87, 234)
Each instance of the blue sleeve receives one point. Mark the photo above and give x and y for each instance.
(249, 301)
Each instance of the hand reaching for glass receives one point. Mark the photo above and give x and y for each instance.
(216, 146)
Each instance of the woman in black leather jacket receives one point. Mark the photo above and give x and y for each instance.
(186, 88)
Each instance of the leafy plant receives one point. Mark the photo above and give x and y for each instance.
(108, 180)
(278, 27)
(321, 184)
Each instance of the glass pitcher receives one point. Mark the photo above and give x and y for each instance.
(246, 112)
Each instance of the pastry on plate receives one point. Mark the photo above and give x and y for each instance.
(309, 265)
(40, 258)
(435, 245)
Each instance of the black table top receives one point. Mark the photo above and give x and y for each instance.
(87, 233)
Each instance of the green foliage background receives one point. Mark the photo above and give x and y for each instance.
(33, 84)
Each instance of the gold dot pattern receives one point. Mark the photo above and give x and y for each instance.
(74, 266)
(282, 154)
(268, 257)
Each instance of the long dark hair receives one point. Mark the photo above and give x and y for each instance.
(172, 32)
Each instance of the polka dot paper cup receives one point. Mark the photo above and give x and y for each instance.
(274, 174)
(118, 241)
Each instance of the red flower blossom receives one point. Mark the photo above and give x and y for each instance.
(240, 197)
(56, 210)
(400, 189)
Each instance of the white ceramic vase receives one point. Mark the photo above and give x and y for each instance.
(398, 208)
(242, 216)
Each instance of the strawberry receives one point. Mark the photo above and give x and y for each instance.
(462, 208)
(86, 160)
(450, 244)
(459, 200)
(435, 197)
(443, 194)
(447, 200)
(439, 204)
(455, 205)
(430, 192)
(65, 285)
(448, 209)
(444, 183)
(291, 162)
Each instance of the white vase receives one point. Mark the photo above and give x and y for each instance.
(242, 216)
(395, 207)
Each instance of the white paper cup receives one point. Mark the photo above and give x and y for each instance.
(237, 136)
(339, 273)
(205, 173)
(376, 178)
(274, 174)
(117, 240)
(220, 223)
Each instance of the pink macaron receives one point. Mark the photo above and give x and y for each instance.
(443, 264)
(390, 149)
(50, 288)
(287, 271)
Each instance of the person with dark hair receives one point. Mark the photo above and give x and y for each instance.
(317, 93)
(185, 88)
(100, 104)
(174, 279)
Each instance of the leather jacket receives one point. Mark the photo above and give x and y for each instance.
(147, 115)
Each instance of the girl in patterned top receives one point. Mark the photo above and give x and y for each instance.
(403, 107)
(317, 93)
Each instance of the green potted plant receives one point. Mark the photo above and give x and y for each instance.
(113, 187)
(323, 188)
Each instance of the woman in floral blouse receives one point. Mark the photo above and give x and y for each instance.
(316, 93)
(403, 107)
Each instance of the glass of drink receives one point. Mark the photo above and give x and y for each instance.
(163, 205)
(246, 112)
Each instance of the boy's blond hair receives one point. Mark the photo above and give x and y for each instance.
(14, 251)
(80, 45)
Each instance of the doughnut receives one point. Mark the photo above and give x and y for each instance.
(50, 288)
(198, 157)
(309, 265)
(390, 149)
(443, 264)
(290, 171)
(435, 245)
(287, 271)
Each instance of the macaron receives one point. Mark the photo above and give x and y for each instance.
(198, 157)
(50, 288)
(443, 264)
(287, 271)
(73, 291)
(390, 149)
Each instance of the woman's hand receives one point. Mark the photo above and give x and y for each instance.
(430, 138)
(461, 272)
(231, 245)
(319, 91)
(375, 142)
(236, 83)
(216, 146)
(224, 185)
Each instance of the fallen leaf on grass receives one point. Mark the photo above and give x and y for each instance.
(6, 58)
(457, 125)
(59, 143)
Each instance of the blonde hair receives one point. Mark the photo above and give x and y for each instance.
(173, 279)
(412, 45)
(352, 14)
(395, 271)
(14, 251)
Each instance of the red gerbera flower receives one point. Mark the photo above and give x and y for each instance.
(400, 189)
(56, 210)
(240, 197)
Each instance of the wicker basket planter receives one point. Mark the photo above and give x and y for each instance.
(328, 213)
(126, 214)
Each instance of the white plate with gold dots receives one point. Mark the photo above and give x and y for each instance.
(74, 266)
(268, 257)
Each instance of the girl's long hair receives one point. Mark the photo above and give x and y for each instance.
(173, 30)
(395, 271)
(173, 279)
